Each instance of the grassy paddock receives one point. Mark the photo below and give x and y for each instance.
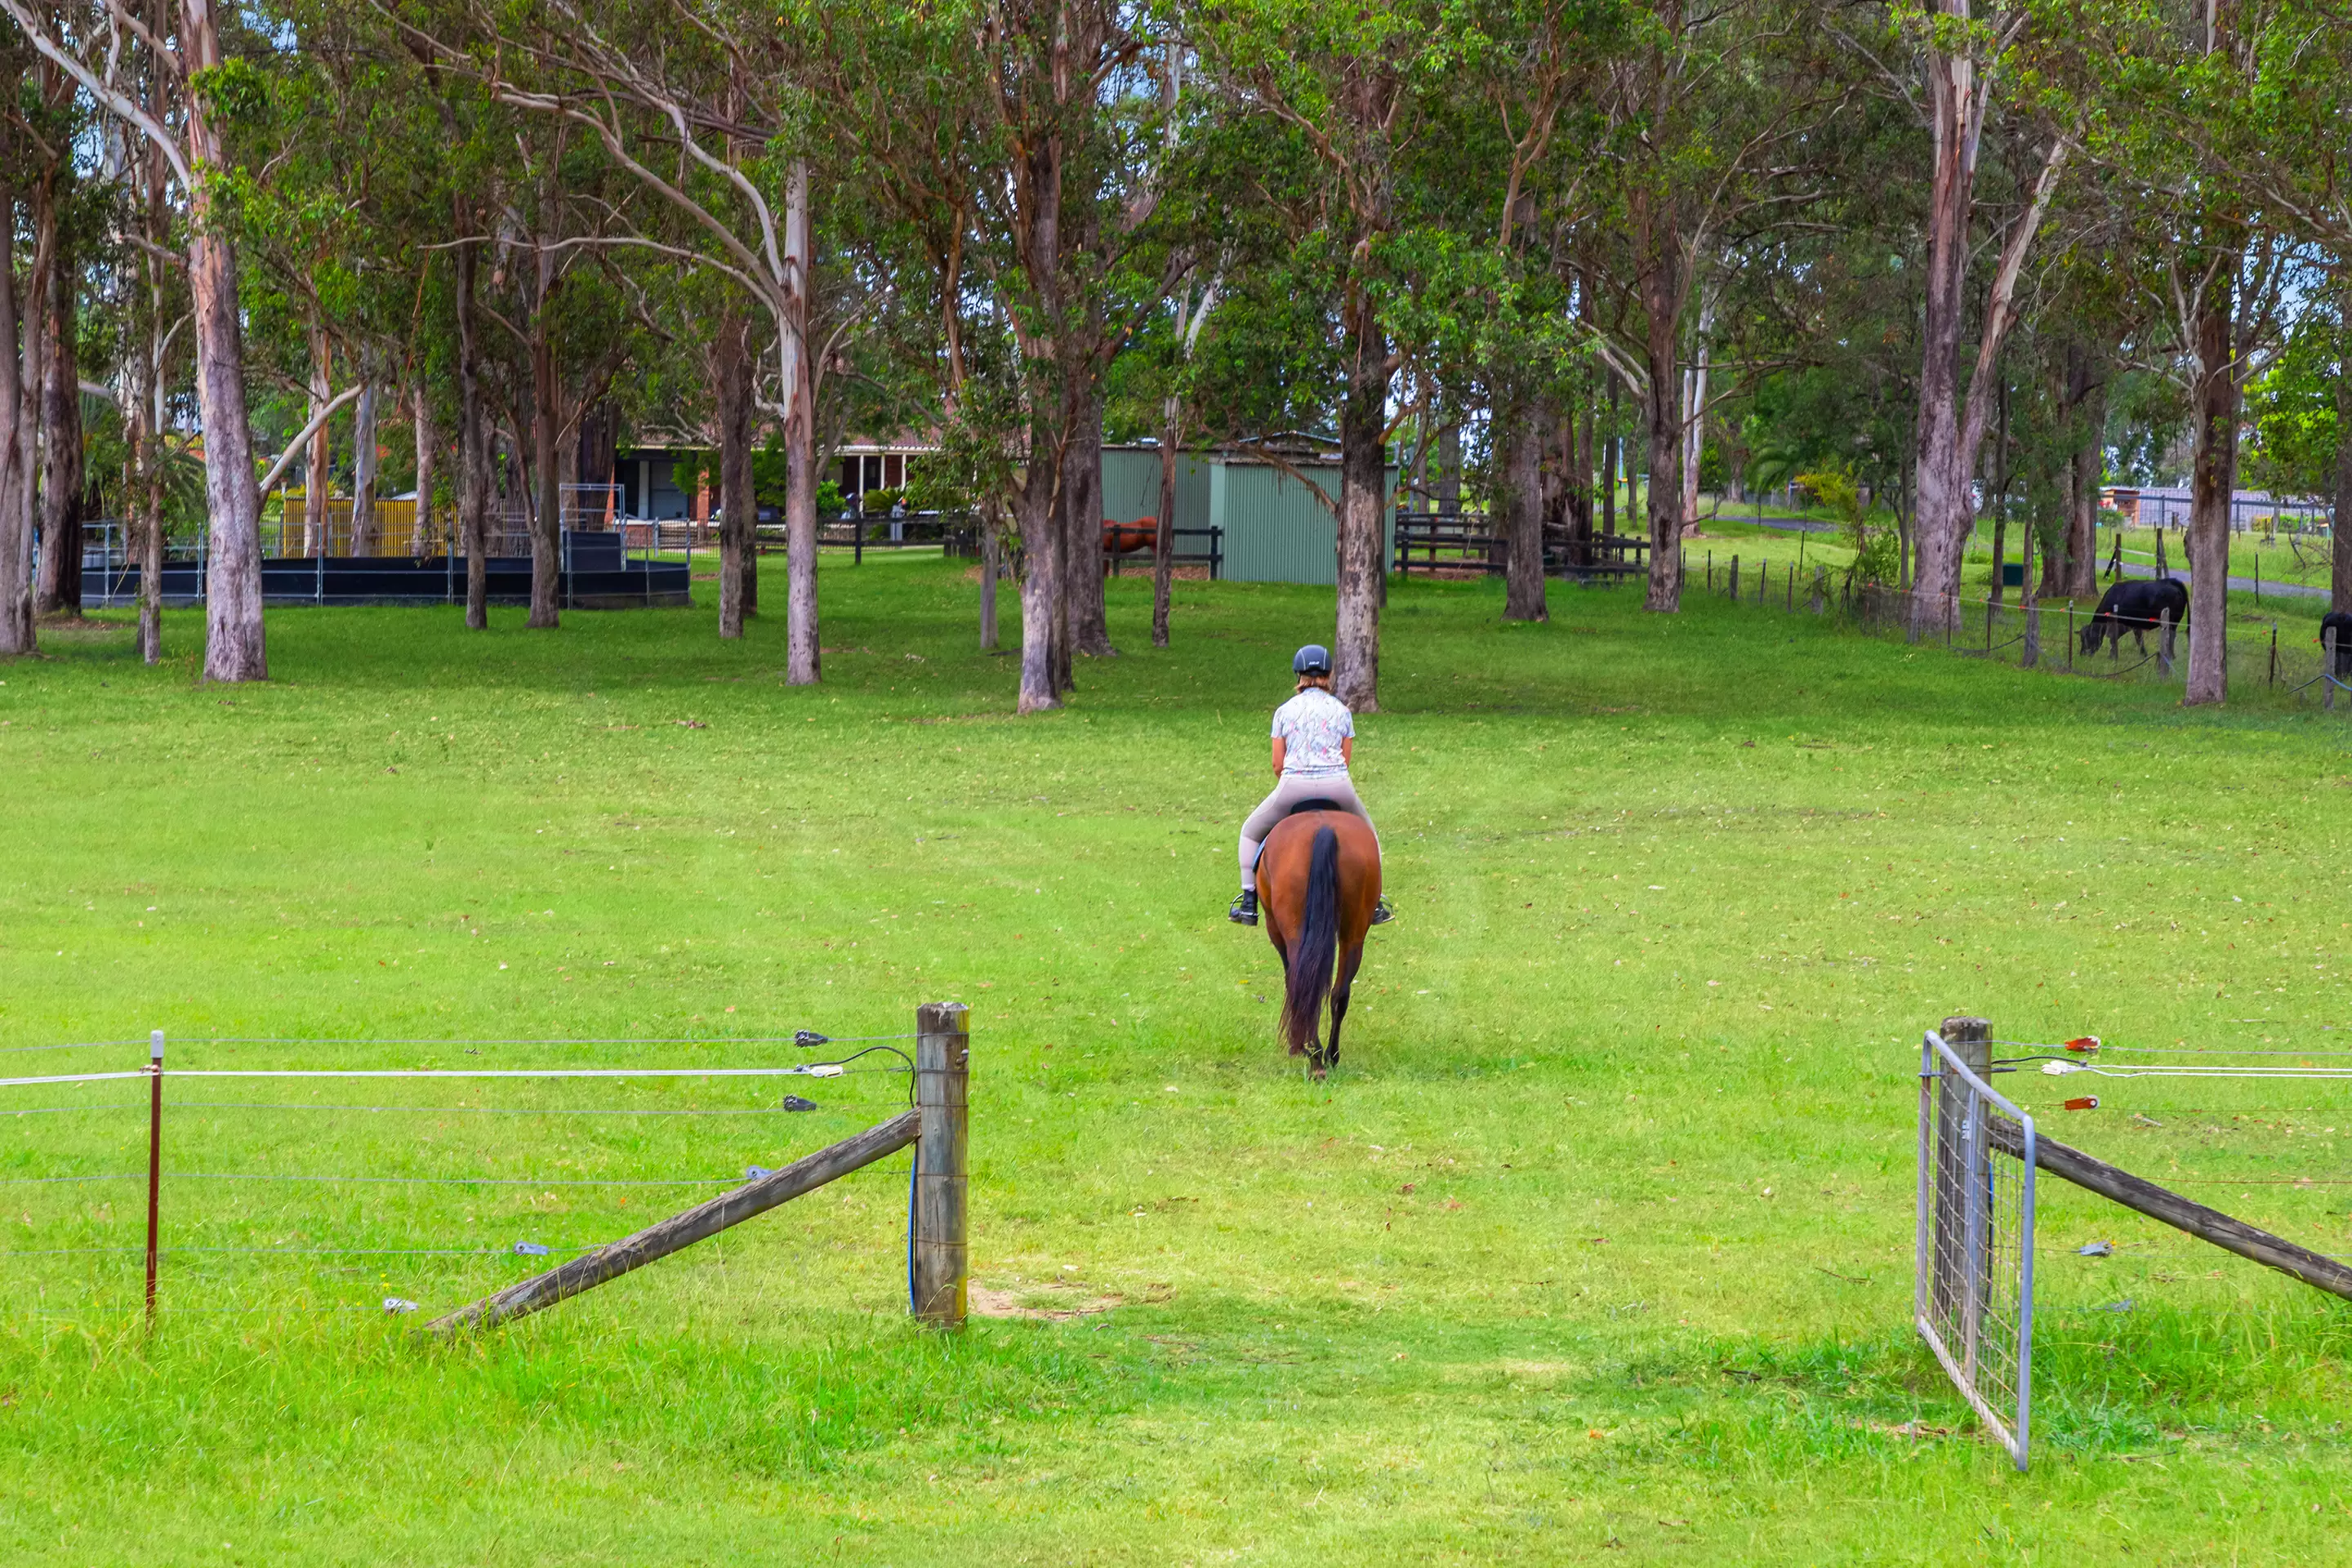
(1597, 1246)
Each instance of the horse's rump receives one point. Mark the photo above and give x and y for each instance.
(1318, 878)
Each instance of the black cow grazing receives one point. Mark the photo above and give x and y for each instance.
(2339, 623)
(2136, 608)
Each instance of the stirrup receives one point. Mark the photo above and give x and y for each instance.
(1244, 910)
(1382, 913)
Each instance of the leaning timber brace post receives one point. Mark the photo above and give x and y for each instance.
(1957, 1153)
(936, 1272)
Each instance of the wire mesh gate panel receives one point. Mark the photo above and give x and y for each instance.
(1973, 1294)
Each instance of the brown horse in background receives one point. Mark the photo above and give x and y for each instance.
(1128, 538)
(1317, 879)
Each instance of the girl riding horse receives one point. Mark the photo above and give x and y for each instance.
(1314, 742)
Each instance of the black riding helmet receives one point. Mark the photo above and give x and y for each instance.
(1312, 659)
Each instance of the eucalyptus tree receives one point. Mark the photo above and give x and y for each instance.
(1976, 75)
(180, 42)
(1714, 118)
(2223, 245)
(1350, 85)
(695, 123)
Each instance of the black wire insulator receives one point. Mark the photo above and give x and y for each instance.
(809, 1037)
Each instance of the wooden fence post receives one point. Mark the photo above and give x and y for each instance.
(2328, 653)
(2164, 647)
(1956, 1153)
(1735, 579)
(942, 1163)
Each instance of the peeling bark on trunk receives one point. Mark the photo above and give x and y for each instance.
(20, 392)
(316, 466)
(803, 656)
(1040, 597)
(1363, 419)
(2213, 414)
(63, 479)
(364, 463)
(235, 649)
(1659, 282)
(1941, 509)
(731, 376)
(422, 539)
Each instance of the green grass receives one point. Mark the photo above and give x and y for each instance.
(1596, 1247)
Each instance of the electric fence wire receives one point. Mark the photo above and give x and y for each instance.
(803, 1069)
(803, 1038)
(2058, 1052)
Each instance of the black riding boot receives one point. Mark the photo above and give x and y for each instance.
(1244, 910)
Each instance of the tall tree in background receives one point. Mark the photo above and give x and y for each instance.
(1343, 78)
(1964, 60)
(190, 135)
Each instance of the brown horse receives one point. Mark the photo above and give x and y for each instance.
(1129, 538)
(1318, 878)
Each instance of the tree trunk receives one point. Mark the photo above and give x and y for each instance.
(20, 396)
(2081, 579)
(1610, 445)
(422, 539)
(1082, 514)
(547, 497)
(364, 462)
(1082, 519)
(1449, 470)
(2340, 549)
(1363, 420)
(148, 457)
(1164, 538)
(473, 440)
(1694, 414)
(64, 479)
(2213, 412)
(235, 649)
(992, 556)
(2000, 499)
(1036, 516)
(316, 521)
(1520, 437)
(802, 653)
(1940, 514)
(730, 377)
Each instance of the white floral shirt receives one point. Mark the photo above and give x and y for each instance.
(1311, 726)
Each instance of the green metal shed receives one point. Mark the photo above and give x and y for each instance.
(1275, 531)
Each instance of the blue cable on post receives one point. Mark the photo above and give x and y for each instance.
(912, 1305)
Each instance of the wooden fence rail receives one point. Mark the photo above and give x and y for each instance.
(938, 1252)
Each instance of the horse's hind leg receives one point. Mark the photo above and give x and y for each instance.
(1349, 962)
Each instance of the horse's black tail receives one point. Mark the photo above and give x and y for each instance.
(1315, 949)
